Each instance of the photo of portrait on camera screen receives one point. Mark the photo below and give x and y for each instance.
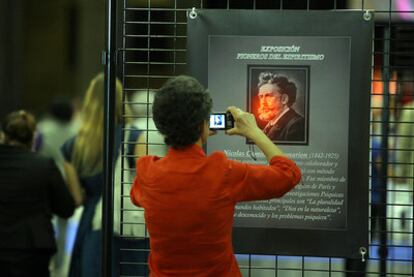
(217, 121)
(278, 98)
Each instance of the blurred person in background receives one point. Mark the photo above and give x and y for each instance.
(405, 141)
(141, 107)
(404, 167)
(55, 128)
(405, 135)
(83, 166)
(189, 197)
(31, 190)
(52, 131)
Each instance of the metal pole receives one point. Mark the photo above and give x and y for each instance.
(109, 140)
(382, 213)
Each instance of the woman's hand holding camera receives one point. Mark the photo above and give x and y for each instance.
(245, 125)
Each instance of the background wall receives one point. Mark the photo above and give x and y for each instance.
(48, 48)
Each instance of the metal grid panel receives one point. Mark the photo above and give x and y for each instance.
(154, 49)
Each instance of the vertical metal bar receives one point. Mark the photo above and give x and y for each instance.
(175, 39)
(303, 262)
(147, 124)
(330, 266)
(276, 265)
(109, 141)
(382, 213)
(250, 266)
(148, 42)
(148, 73)
(124, 42)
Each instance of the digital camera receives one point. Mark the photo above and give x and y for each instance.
(221, 121)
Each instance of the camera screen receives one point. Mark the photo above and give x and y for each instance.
(217, 121)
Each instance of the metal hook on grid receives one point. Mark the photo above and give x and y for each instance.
(193, 13)
(363, 252)
(367, 15)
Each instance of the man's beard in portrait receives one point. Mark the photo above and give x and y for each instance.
(265, 113)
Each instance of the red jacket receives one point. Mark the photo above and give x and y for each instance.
(189, 201)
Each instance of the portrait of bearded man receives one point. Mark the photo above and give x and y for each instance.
(276, 96)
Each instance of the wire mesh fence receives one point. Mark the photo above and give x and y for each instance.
(153, 49)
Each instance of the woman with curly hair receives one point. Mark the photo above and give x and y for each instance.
(189, 197)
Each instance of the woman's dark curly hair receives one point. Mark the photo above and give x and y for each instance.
(179, 109)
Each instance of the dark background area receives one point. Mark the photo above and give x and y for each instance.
(53, 47)
(48, 48)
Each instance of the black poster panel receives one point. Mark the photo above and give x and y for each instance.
(325, 60)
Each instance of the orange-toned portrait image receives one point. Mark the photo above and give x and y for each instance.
(273, 100)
